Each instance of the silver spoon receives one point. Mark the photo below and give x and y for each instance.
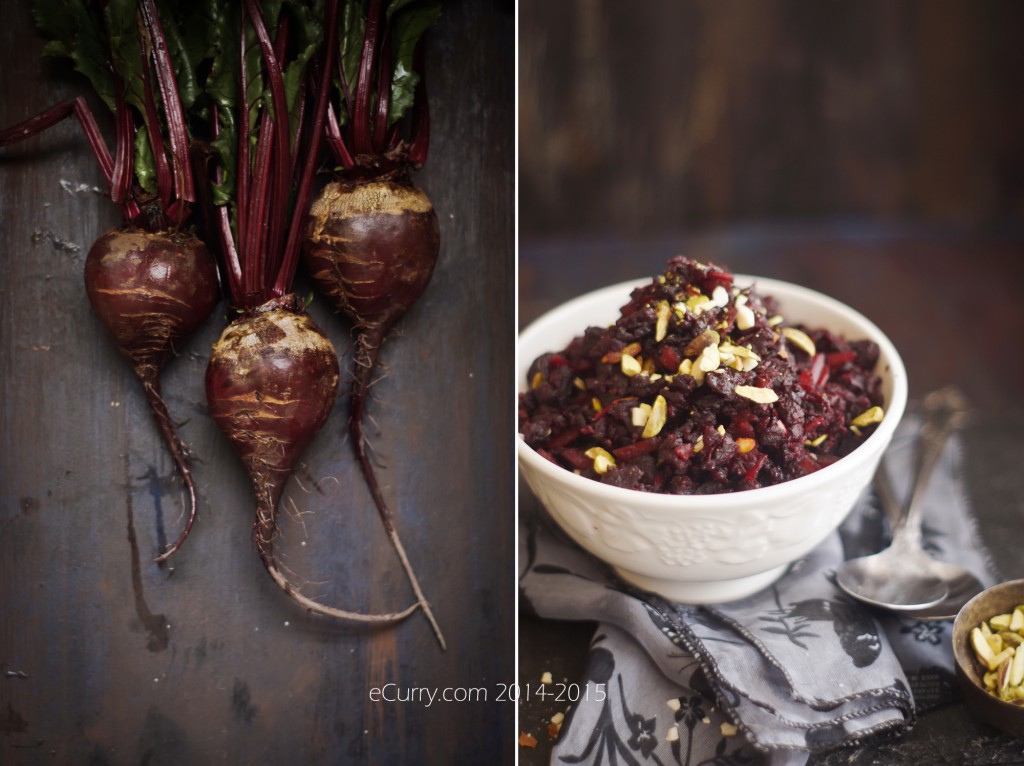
(961, 584)
(904, 577)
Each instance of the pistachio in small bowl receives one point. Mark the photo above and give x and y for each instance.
(988, 646)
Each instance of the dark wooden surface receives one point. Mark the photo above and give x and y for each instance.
(644, 115)
(108, 658)
(948, 298)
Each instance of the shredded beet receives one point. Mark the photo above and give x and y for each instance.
(700, 387)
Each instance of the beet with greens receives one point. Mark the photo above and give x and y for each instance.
(272, 377)
(151, 281)
(372, 237)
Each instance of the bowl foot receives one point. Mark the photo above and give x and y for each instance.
(715, 592)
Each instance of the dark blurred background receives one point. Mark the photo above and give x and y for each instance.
(648, 116)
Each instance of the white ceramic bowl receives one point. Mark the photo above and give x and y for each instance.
(704, 549)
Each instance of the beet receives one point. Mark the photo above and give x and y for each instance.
(270, 385)
(371, 246)
(152, 290)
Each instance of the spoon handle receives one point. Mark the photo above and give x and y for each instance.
(944, 411)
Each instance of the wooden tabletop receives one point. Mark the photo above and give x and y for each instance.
(949, 300)
(109, 658)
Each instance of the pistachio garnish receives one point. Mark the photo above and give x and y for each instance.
(696, 346)
(603, 459)
(580, 384)
(868, 417)
(640, 414)
(996, 645)
(816, 440)
(755, 394)
(538, 378)
(657, 417)
(744, 314)
(663, 312)
(630, 365)
(800, 339)
(745, 444)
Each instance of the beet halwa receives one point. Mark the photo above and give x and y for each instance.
(700, 387)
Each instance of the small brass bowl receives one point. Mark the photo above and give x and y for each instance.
(999, 599)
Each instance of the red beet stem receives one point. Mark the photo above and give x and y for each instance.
(366, 355)
(149, 376)
(176, 130)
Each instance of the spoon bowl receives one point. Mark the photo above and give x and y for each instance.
(903, 577)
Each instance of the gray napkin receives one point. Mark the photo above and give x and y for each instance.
(795, 669)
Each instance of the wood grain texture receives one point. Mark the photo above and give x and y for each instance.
(650, 115)
(107, 658)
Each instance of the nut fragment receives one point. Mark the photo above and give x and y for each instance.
(535, 382)
(630, 365)
(998, 650)
(744, 314)
(663, 312)
(800, 339)
(603, 460)
(640, 414)
(701, 342)
(656, 419)
(755, 394)
(868, 417)
(745, 444)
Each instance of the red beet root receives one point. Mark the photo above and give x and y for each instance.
(371, 246)
(271, 383)
(152, 290)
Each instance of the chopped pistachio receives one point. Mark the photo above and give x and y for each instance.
(745, 444)
(744, 317)
(982, 648)
(720, 297)
(685, 367)
(1000, 621)
(800, 339)
(709, 359)
(630, 365)
(580, 384)
(817, 440)
(1017, 669)
(698, 303)
(1017, 621)
(696, 346)
(596, 404)
(699, 444)
(868, 417)
(640, 414)
(755, 394)
(721, 429)
(656, 420)
(776, 320)
(536, 381)
(663, 312)
(603, 460)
